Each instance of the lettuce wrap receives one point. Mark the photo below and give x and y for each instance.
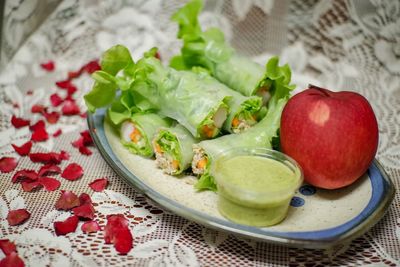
(173, 148)
(209, 50)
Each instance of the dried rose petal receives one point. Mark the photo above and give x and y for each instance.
(85, 211)
(85, 151)
(67, 226)
(56, 100)
(24, 149)
(57, 133)
(48, 66)
(74, 74)
(83, 115)
(24, 175)
(19, 122)
(114, 222)
(40, 135)
(38, 125)
(49, 168)
(87, 138)
(85, 199)
(51, 157)
(70, 108)
(90, 227)
(7, 164)
(51, 117)
(67, 201)
(12, 260)
(78, 142)
(49, 183)
(123, 240)
(29, 186)
(16, 217)
(158, 55)
(38, 108)
(64, 84)
(7, 246)
(98, 185)
(92, 66)
(72, 172)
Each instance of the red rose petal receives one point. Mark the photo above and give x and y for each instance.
(57, 133)
(85, 199)
(67, 226)
(40, 135)
(98, 185)
(123, 240)
(85, 211)
(29, 186)
(67, 201)
(38, 109)
(7, 246)
(114, 222)
(92, 66)
(7, 164)
(70, 108)
(72, 172)
(49, 168)
(56, 100)
(83, 115)
(24, 149)
(38, 125)
(87, 138)
(19, 122)
(48, 66)
(78, 143)
(51, 117)
(16, 217)
(158, 55)
(64, 84)
(90, 227)
(49, 183)
(74, 74)
(51, 157)
(85, 151)
(12, 260)
(24, 175)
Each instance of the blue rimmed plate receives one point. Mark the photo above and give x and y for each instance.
(316, 219)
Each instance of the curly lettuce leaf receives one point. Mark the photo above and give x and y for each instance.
(206, 182)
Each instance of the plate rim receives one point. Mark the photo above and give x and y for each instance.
(96, 123)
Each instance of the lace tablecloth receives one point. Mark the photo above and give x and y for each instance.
(352, 45)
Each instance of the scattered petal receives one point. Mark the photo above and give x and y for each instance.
(118, 233)
(49, 183)
(40, 135)
(90, 227)
(87, 138)
(98, 185)
(48, 66)
(64, 155)
(56, 100)
(29, 186)
(67, 201)
(7, 164)
(49, 168)
(83, 115)
(19, 122)
(114, 222)
(16, 217)
(24, 175)
(78, 143)
(51, 157)
(12, 260)
(123, 240)
(7, 246)
(57, 133)
(85, 151)
(85, 199)
(92, 66)
(64, 84)
(72, 172)
(51, 117)
(67, 226)
(38, 108)
(85, 211)
(38, 125)
(74, 74)
(70, 108)
(24, 149)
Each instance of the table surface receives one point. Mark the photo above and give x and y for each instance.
(335, 44)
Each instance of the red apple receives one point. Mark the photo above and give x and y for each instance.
(332, 135)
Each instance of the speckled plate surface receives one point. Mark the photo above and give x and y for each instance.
(316, 219)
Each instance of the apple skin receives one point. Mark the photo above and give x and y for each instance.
(332, 135)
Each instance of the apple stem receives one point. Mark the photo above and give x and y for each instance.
(322, 90)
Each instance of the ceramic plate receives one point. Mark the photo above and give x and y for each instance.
(316, 218)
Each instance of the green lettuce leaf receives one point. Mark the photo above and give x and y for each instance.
(206, 182)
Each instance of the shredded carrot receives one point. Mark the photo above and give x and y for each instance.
(208, 131)
(235, 122)
(157, 148)
(135, 135)
(175, 164)
(201, 164)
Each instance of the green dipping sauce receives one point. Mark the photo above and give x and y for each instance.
(255, 190)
